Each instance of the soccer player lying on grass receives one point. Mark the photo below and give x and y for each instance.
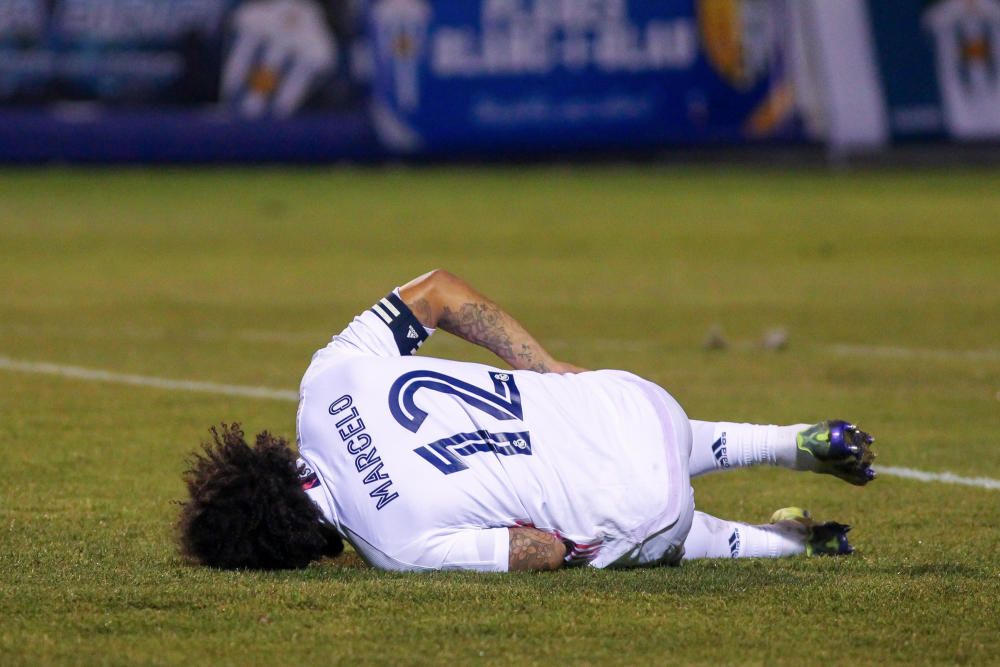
(428, 464)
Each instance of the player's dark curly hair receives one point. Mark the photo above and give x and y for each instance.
(247, 508)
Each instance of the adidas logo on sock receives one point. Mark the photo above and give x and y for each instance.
(412, 333)
(734, 544)
(720, 452)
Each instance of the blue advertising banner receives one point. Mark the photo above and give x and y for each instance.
(556, 74)
(940, 65)
(321, 80)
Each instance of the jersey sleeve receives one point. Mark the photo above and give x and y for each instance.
(481, 549)
(387, 329)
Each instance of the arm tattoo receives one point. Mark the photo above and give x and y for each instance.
(482, 324)
(532, 549)
(527, 356)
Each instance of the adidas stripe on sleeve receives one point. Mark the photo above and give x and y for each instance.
(387, 329)
(406, 329)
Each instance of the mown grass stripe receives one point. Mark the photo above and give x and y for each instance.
(898, 352)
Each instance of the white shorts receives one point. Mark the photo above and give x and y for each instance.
(665, 545)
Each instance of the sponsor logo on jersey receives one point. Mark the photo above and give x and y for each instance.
(734, 544)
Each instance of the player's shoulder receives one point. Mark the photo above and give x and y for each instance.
(343, 358)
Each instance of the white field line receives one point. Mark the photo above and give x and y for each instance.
(95, 375)
(945, 477)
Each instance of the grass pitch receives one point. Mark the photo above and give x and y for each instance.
(888, 282)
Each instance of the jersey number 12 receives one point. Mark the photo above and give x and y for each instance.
(504, 404)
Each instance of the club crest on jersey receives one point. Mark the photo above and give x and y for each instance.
(308, 477)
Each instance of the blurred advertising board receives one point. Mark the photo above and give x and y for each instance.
(181, 80)
(940, 65)
(506, 75)
(260, 58)
(249, 80)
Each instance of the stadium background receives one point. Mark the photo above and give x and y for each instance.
(715, 194)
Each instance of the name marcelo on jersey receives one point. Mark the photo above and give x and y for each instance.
(351, 428)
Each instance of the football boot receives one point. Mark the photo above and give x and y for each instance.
(822, 539)
(839, 448)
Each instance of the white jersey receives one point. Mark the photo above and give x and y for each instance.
(424, 463)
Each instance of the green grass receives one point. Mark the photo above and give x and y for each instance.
(237, 276)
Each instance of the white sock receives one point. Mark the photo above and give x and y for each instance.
(724, 445)
(716, 538)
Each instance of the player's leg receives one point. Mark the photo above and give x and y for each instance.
(834, 447)
(791, 532)
(726, 445)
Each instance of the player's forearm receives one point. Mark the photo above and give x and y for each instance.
(483, 322)
(440, 299)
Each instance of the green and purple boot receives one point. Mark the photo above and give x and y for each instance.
(836, 447)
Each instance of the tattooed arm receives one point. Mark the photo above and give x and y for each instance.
(531, 549)
(440, 299)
